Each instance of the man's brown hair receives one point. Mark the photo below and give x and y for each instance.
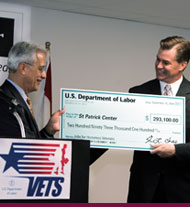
(182, 47)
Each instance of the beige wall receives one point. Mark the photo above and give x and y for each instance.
(103, 54)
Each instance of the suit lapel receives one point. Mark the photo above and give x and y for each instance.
(11, 91)
(184, 88)
(153, 87)
(156, 87)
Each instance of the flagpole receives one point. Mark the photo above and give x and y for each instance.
(48, 44)
(48, 84)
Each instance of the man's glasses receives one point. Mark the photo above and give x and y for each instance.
(40, 68)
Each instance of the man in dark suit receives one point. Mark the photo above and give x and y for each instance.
(26, 63)
(163, 174)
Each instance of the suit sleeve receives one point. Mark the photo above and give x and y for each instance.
(45, 135)
(183, 150)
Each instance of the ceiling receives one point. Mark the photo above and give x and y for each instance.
(173, 13)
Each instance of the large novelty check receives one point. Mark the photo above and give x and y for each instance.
(122, 120)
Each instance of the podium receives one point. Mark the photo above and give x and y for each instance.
(39, 170)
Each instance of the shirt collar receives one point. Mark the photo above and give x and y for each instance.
(19, 89)
(174, 86)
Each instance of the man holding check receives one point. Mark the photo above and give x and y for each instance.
(163, 174)
(26, 63)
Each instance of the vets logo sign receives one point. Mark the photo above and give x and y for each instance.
(35, 169)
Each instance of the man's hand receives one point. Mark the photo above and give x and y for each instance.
(54, 123)
(163, 150)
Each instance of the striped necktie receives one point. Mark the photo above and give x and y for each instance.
(167, 90)
(29, 102)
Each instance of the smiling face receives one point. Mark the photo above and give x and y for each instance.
(166, 66)
(34, 73)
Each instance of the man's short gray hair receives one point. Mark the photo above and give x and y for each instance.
(23, 52)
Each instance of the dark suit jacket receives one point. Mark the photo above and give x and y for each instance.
(146, 168)
(9, 126)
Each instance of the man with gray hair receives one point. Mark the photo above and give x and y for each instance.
(26, 63)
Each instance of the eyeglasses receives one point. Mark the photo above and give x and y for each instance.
(40, 68)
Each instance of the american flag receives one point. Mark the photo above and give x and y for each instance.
(43, 108)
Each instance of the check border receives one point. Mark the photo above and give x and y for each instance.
(62, 90)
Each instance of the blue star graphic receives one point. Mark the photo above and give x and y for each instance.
(12, 159)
